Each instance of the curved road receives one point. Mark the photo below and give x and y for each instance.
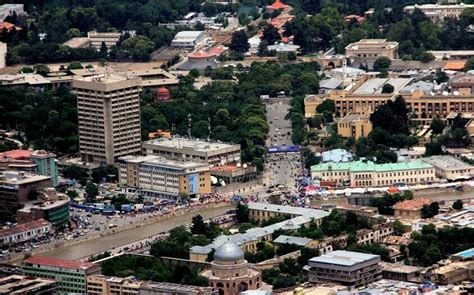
(99, 245)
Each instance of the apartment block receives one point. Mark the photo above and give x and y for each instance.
(157, 176)
(109, 117)
(369, 174)
(373, 48)
(71, 275)
(344, 267)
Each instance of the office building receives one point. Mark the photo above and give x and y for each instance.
(188, 39)
(49, 205)
(437, 13)
(24, 232)
(410, 209)
(97, 38)
(25, 285)
(373, 48)
(39, 162)
(70, 275)
(345, 268)
(230, 273)
(354, 125)
(450, 168)
(370, 174)
(211, 152)
(15, 190)
(160, 177)
(109, 117)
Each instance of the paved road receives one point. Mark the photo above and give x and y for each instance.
(102, 244)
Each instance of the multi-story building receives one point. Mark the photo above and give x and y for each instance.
(25, 232)
(26, 285)
(410, 209)
(102, 285)
(71, 275)
(373, 48)
(344, 267)
(155, 288)
(454, 273)
(157, 176)
(109, 117)
(437, 13)
(97, 38)
(40, 161)
(15, 190)
(354, 125)
(188, 39)
(462, 83)
(448, 167)
(212, 152)
(367, 174)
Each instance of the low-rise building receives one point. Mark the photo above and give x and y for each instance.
(40, 162)
(345, 268)
(450, 168)
(103, 285)
(157, 176)
(71, 275)
(234, 173)
(454, 273)
(188, 39)
(462, 83)
(437, 13)
(155, 288)
(410, 209)
(299, 241)
(336, 156)
(212, 152)
(354, 125)
(109, 38)
(362, 211)
(263, 211)
(370, 174)
(373, 48)
(26, 285)
(401, 272)
(369, 236)
(25, 232)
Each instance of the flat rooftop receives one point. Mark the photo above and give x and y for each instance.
(343, 258)
(399, 268)
(360, 166)
(307, 212)
(375, 86)
(18, 177)
(56, 262)
(157, 160)
(353, 117)
(192, 144)
(25, 227)
(448, 163)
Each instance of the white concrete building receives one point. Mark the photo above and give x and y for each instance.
(436, 12)
(188, 39)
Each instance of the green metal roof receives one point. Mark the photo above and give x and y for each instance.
(369, 166)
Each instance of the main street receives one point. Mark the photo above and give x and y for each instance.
(99, 245)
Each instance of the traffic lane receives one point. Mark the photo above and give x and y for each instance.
(99, 245)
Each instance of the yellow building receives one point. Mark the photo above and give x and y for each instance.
(410, 209)
(157, 176)
(373, 48)
(354, 125)
(101, 285)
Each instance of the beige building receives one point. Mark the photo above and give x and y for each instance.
(230, 273)
(436, 12)
(102, 285)
(410, 209)
(370, 174)
(157, 176)
(455, 273)
(354, 125)
(109, 38)
(108, 108)
(373, 48)
(448, 167)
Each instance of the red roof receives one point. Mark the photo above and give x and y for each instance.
(162, 90)
(16, 154)
(412, 205)
(277, 5)
(207, 53)
(8, 26)
(55, 262)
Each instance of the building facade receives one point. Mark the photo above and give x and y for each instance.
(109, 117)
(437, 13)
(354, 125)
(102, 285)
(373, 48)
(157, 176)
(71, 275)
(448, 167)
(370, 174)
(345, 267)
(24, 232)
(23, 285)
(188, 39)
(97, 38)
(212, 152)
(410, 209)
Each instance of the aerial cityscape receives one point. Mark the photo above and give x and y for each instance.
(227, 147)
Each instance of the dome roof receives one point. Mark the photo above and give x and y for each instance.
(228, 251)
(162, 90)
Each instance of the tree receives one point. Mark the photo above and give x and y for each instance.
(430, 210)
(382, 64)
(239, 42)
(103, 50)
(433, 148)
(388, 88)
(271, 35)
(91, 190)
(398, 228)
(469, 64)
(437, 126)
(75, 66)
(458, 205)
(198, 227)
(242, 213)
(41, 69)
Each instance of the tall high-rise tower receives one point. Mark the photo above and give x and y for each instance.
(109, 117)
